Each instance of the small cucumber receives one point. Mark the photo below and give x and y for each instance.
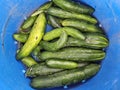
(28, 61)
(28, 23)
(66, 77)
(40, 70)
(54, 22)
(65, 14)
(20, 37)
(53, 46)
(72, 6)
(81, 25)
(55, 33)
(74, 54)
(61, 64)
(42, 8)
(34, 38)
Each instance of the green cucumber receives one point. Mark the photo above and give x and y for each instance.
(81, 25)
(72, 6)
(74, 54)
(65, 14)
(40, 70)
(20, 37)
(53, 46)
(42, 8)
(55, 33)
(34, 38)
(66, 77)
(93, 40)
(61, 64)
(29, 61)
(28, 23)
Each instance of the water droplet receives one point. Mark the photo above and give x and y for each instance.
(100, 25)
(23, 71)
(65, 86)
(25, 17)
(83, 81)
(15, 42)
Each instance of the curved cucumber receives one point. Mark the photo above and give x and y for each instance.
(81, 25)
(61, 64)
(55, 33)
(70, 5)
(34, 38)
(40, 70)
(65, 14)
(66, 77)
(74, 54)
(53, 46)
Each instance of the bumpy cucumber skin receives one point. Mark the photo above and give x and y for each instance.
(61, 64)
(74, 54)
(54, 46)
(65, 14)
(34, 38)
(40, 70)
(65, 78)
(82, 25)
(73, 6)
(55, 33)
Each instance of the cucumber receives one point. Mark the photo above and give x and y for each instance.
(65, 14)
(28, 61)
(74, 54)
(61, 64)
(20, 37)
(28, 23)
(72, 6)
(54, 46)
(66, 77)
(55, 33)
(54, 22)
(34, 38)
(42, 8)
(96, 40)
(93, 40)
(40, 70)
(81, 25)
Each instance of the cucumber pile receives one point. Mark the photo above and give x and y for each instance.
(69, 53)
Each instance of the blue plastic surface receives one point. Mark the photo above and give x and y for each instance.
(12, 14)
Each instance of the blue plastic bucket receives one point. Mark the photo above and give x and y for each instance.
(12, 14)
